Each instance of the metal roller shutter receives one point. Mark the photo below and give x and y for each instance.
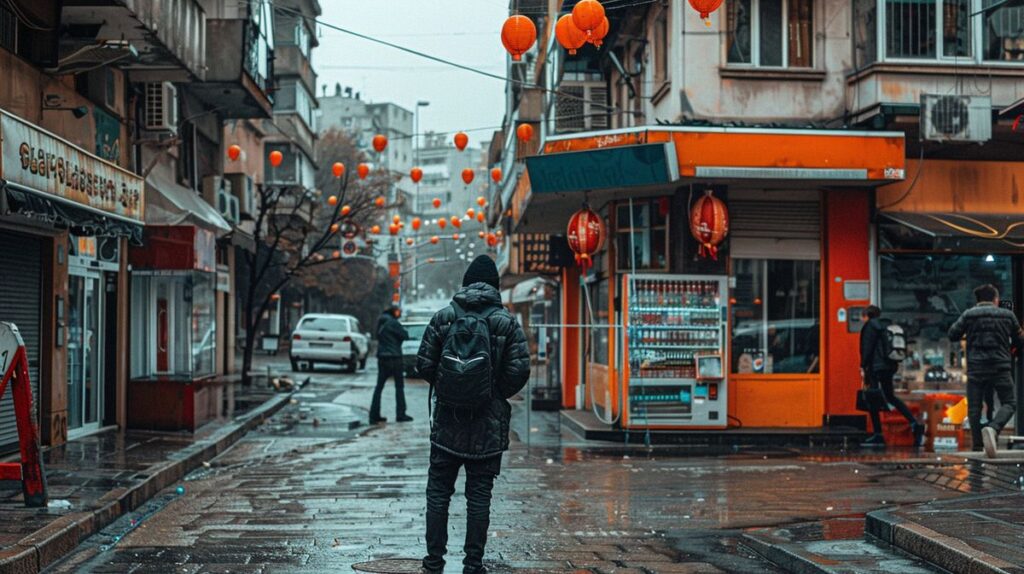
(770, 225)
(20, 303)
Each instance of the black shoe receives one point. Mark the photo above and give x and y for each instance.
(875, 440)
(918, 430)
(378, 420)
(477, 570)
(404, 419)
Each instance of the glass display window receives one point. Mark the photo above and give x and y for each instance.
(642, 239)
(174, 331)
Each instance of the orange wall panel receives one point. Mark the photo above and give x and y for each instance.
(776, 401)
(950, 186)
(570, 337)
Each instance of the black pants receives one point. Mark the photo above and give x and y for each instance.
(480, 474)
(883, 380)
(388, 367)
(980, 386)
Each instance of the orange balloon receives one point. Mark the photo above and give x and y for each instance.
(336, 254)
(234, 152)
(471, 213)
(518, 35)
(393, 229)
(461, 141)
(480, 217)
(379, 202)
(455, 236)
(345, 210)
(442, 223)
(335, 227)
(396, 219)
(276, 158)
(332, 200)
(435, 239)
(416, 174)
(524, 132)
(416, 223)
(456, 221)
(409, 241)
(597, 36)
(496, 175)
(375, 230)
(363, 170)
(587, 15)
(569, 35)
(437, 203)
(338, 169)
(380, 142)
(481, 201)
(492, 239)
(468, 174)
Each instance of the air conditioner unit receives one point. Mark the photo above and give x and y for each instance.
(227, 205)
(946, 118)
(160, 113)
(213, 186)
(244, 189)
(581, 106)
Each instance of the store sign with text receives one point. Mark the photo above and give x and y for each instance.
(41, 161)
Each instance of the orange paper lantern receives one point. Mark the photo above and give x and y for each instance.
(380, 142)
(705, 8)
(416, 223)
(416, 174)
(524, 132)
(585, 235)
(396, 297)
(461, 141)
(481, 201)
(456, 221)
(276, 158)
(393, 229)
(569, 35)
(471, 213)
(375, 230)
(437, 203)
(492, 239)
(410, 241)
(597, 36)
(496, 175)
(518, 35)
(587, 15)
(338, 169)
(396, 219)
(480, 234)
(455, 236)
(709, 224)
(468, 174)
(234, 152)
(335, 227)
(345, 210)
(442, 223)
(480, 217)
(379, 202)
(332, 200)
(363, 170)
(435, 239)
(275, 297)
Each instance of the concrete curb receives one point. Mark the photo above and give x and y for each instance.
(790, 557)
(51, 543)
(951, 554)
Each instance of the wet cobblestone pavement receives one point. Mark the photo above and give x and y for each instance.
(315, 496)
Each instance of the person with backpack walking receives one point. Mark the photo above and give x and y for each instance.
(390, 335)
(475, 357)
(991, 333)
(882, 348)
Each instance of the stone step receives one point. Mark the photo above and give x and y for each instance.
(831, 547)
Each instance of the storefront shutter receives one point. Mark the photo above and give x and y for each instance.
(20, 303)
(774, 224)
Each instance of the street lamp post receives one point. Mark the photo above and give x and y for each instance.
(416, 162)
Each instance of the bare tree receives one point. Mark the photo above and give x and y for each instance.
(297, 231)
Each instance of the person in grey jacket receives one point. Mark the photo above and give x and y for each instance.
(991, 333)
(474, 439)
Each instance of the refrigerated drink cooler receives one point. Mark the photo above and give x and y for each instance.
(675, 352)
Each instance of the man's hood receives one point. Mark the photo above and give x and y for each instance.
(478, 296)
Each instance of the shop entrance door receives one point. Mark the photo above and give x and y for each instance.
(85, 352)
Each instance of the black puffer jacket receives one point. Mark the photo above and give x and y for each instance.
(390, 335)
(483, 433)
(991, 332)
(873, 358)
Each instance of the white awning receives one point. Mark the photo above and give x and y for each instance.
(170, 203)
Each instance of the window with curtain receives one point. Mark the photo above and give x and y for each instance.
(1002, 31)
(775, 306)
(642, 240)
(770, 33)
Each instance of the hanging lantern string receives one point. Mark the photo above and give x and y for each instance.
(299, 14)
(608, 5)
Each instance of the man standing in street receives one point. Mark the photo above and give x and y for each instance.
(390, 335)
(991, 332)
(475, 357)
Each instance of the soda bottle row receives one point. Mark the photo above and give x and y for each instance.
(678, 316)
(675, 294)
(676, 337)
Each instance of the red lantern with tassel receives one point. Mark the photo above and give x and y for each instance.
(468, 174)
(524, 132)
(461, 141)
(705, 8)
(569, 36)
(338, 169)
(587, 15)
(597, 36)
(585, 235)
(363, 170)
(709, 223)
(234, 152)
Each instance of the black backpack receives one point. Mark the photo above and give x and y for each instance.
(465, 374)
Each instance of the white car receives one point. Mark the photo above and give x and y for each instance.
(411, 346)
(332, 339)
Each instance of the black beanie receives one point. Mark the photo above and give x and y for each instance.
(481, 270)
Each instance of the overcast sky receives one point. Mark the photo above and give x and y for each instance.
(464, 31)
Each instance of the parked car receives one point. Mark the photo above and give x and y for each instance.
(331, 339)
(411, 346)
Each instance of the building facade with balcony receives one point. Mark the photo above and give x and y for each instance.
(853, 144)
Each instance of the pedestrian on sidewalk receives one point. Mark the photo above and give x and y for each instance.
(991, 333)
(390, 335)
(475, 357)
(878, 369)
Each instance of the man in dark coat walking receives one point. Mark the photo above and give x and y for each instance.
(878, 371)
(390, 335)
(474, 439)
(991, 333)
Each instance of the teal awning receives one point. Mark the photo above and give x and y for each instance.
(618, 167)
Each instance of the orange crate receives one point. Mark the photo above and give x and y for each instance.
(896, 429)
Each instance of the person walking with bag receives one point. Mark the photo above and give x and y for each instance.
(878, 367)
(991, 333)
(390, 336)
(475, 357)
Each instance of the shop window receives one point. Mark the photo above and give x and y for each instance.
(642, 240)
(925, 294)
(770, 33)
(599, 340)
(775, 305)
(174, 325)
